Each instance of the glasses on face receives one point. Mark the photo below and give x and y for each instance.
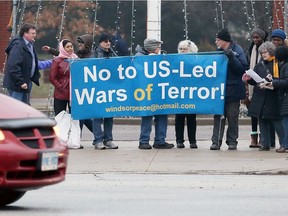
(183, 49)
(264, 52)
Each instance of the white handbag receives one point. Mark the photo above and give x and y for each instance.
(69, 129)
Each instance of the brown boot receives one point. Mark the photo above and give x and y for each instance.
(254, 141)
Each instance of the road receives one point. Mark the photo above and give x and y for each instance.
(129, 181)
(111, 194)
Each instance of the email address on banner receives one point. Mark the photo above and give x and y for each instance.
(152, 108)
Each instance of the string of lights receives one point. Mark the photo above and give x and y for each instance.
(21, 11)
(216, 19)
(62, 24)
(133, 23)
(38, 13)
(185, 20)
(276, 15)
(248, 22)
(221, 12)
(117, 24)
(267, 13)
(253, 19)
(95, 23)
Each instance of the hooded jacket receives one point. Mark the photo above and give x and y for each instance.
(19, 65)
(87, 40)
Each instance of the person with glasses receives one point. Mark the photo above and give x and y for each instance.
(152, 47)
(103, 138)
(186, 46)
(265, 103)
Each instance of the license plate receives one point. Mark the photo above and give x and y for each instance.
(48, 161)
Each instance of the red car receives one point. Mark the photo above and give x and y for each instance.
(31, 154)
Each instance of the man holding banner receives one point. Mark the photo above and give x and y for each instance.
(152, 47)
(103, 138)
(235, 91)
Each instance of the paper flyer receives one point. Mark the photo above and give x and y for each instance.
(254, 76)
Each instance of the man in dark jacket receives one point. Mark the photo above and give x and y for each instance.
(103, 138)
(22, 64)
(235, 91)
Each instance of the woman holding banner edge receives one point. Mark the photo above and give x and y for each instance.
(186, 46)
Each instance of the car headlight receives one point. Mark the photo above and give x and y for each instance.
(2, 136)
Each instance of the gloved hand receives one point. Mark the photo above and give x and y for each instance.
(229, 53)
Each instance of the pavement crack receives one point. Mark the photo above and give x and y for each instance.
(147, 169)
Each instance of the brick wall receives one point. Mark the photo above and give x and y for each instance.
(278, 17)
(5, 11)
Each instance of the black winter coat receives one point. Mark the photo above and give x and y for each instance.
(19, 65)
(282, 85)
(265, 103)
(235, 87)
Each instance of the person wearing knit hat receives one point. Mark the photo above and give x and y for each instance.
(278, 37)
(258, 37)
(258, 31)
(224, 35)
(235, 91)
(151, 44)
(104, 37)
(103, 138)
(152, 47)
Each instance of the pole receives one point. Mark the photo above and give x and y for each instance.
(14, 17)
(154, 19)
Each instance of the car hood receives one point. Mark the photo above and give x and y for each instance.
(11, 108)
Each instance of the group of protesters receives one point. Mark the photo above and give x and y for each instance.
(267, 100)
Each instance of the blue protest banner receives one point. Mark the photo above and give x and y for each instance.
(148, 85)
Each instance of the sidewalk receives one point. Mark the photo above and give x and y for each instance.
(129, 159)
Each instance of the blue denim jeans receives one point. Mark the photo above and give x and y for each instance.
(102, 135)
(285, 126)
(24, 97)
(265, 131)
(160, 129)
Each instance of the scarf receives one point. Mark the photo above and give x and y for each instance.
(275, 67)
(64, 54)
(255, 57)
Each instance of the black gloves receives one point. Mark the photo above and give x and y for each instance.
(229, 53)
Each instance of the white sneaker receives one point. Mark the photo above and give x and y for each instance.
(99, 146)
(110, 145)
